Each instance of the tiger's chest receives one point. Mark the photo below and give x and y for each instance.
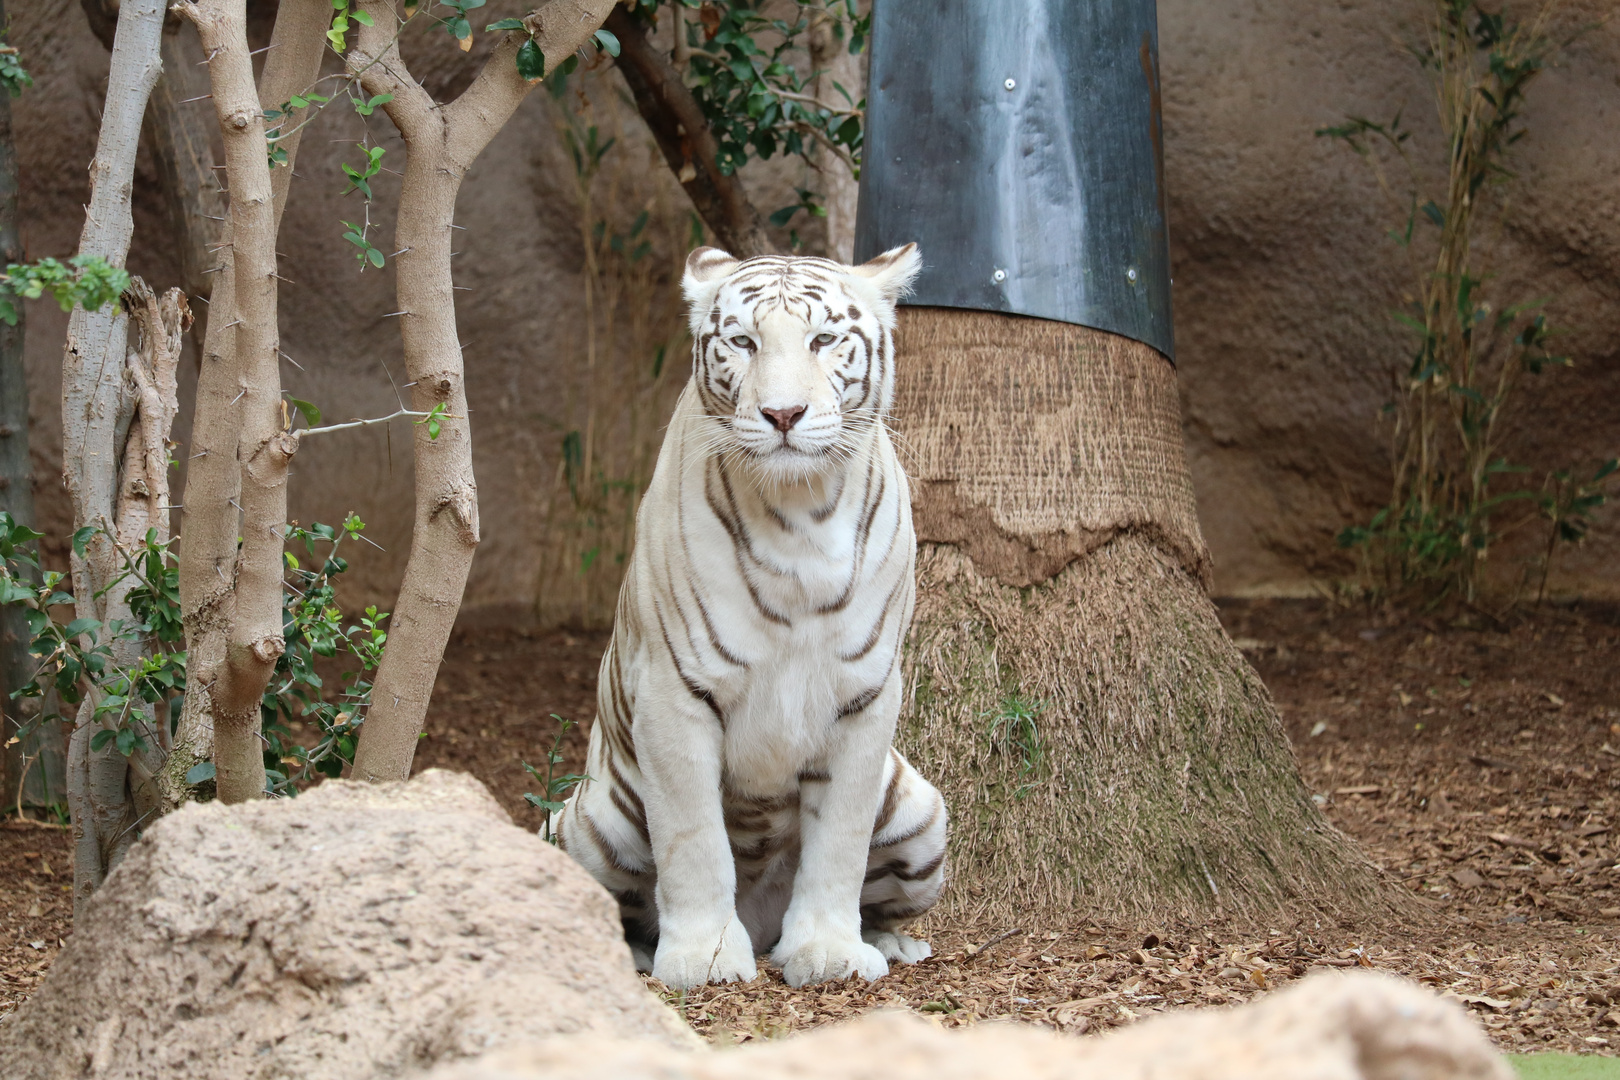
(808, 599)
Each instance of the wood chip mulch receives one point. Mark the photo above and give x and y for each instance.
(1477, 765)
(1542, 988)
(36, 905)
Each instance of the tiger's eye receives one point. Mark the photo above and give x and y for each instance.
(743, 342)
(823, 340)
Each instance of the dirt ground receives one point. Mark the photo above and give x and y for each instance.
(1476, 766)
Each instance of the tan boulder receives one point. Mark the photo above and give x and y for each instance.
(1330, 1027)
(356, 931)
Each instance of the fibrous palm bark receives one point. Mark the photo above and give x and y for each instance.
(1102, 742)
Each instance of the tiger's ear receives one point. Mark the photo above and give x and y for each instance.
(892, 272)
(706, 269)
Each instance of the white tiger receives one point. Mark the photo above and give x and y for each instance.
(743, 790)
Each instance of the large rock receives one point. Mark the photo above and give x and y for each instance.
(353, 932)
(1331, 1027)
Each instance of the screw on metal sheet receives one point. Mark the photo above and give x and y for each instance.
(1011, 84)
(999, 276)
(1130, 275)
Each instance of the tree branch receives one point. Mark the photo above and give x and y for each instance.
(214, 479)
(292, 67)
(361, 423)
(682, 132)
(263, 449)
(560, 29)
(441, 145)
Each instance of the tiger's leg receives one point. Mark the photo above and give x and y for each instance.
(603, 827)
(905, 868)
(701, 939)
(821, 931)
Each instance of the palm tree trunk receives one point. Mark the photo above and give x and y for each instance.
(1062, 577)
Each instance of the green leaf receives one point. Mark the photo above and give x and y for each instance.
(81, 538)
(100, 739)
(200, 773)
(375, 257)
(363, 19)
(126, 741)
(312, 415)
(531, 62)
(504, 24)
(80, 626)
(607, 41)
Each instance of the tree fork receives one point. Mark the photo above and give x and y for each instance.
(1062, 574)
(441, 141)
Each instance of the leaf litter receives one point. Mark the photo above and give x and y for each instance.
(1475, 765)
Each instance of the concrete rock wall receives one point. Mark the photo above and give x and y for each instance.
(1283, 282)
(1284, 278)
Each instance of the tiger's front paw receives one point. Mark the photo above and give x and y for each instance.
(822, 959)
(897, 947)
(685, 961)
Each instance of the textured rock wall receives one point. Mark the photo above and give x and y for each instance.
(1283, 282)
(1284, 278)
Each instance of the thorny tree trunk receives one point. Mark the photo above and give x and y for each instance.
(441, 144)
(1061, 576)
(94, 417)
(237, 416)
(677, 124)
(31, 768)
(238, 622)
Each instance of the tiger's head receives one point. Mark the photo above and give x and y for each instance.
(794, 357)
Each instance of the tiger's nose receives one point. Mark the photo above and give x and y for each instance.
(784, 418)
